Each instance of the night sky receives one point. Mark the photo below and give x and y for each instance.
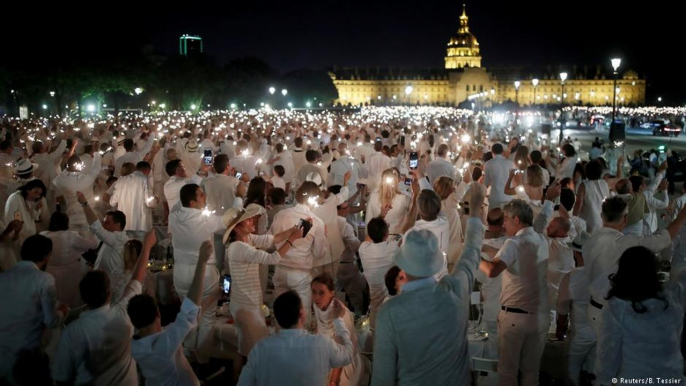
(319, 34)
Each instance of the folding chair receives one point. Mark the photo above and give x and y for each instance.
(482, 365)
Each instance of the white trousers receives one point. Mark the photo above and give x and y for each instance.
(520, 346)
(580, 350)
(289, 279)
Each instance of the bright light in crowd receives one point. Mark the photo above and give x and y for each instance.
(259, 161)
(389, 180)
(313, 202)
(408, 90)
(162, 105)
(97, 198)
(45, 107)
(52, 93)
(290, 104)
(193, 107)
(149, 199)
(153, 103)
(308, 104)
(284, 92)
(90, 108)
(138, 90)
(233, 105)
(206, 212)
(272, 90)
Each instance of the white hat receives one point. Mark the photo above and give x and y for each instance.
(192, 146)
(314, 177)
(420, 255)
(25, 166)
(234, 216)
(121, 138)
(579, 241)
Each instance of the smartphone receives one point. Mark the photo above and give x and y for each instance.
(378, 139)
(207, 157)
(261, 174)
(305, 225)
(408, 181)
(414, 160)
(239, 175)
(17, 215)
(226, 285)
(402, 140)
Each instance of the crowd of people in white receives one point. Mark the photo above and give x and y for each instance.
(386, 215)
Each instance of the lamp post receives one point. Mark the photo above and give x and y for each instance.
(517, 84)
(534, 82)
(408, 91)
(272, 90)
(563, 77)
(615, 65)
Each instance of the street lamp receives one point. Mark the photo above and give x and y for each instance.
(408, 91)
(138, 90)
(517, 84)
(52, 93)
(193, 107)
(534, 82)
(615, 65)
(563, 77)
(272, 90)
(284, 92)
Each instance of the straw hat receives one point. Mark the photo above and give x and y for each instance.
(25, 166)
(235, 216)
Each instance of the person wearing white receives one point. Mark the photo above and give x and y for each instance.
(388, 196)
(450, 199)
(160, 176)
(189, 227)
(524, 316)
(642, 323)
(133, 196)
(310, 167)
(324, 308)
(573, 298)
(566, 168)
(178, 178)
(590, 196)
(293, 272)
(66, 264)
(348, 277)
(364, 151)
(26, 205)
(604, 248)
(342, 165)
(297, 156)
(246, 253)
(410, 351)
(158, 351)
(440, 166)
(95, 349)
(294, 357)
(376, 255)
(73, 180)
(376, 165)
(678, 252)
(28, 303)
(496, 174)
(188, 153)
(327, 212)
(48, 167)
(132, 155)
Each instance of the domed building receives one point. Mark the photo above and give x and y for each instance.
(463, 78)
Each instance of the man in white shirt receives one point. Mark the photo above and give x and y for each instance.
(133, 196)
(284, 159)
(178, 178)
(345, 163)
(28, 304)
(364, 151)
(376, 255)
(297, 155)
(6, 158)
(293, 356)
(131, 155)
(189, 228)
(496, 174)
(310, 167)
(294, 270)
(75, 179)
(524, 316)
(440, 166)
(377, 163)
(327, 212)
(411, 350)
(48, 166)
(244, 161)
(348, 276)
(428, 204)
(603, 250)
(158, 351)
(96, 348)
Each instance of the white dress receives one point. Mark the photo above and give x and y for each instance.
(351, 374)
(67, 265)
(596, 192)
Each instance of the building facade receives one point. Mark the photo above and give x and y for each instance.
(464, 79)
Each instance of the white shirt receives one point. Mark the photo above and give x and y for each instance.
(160, 355)
(438, 168)
(284, 159)
(366, 151)
(395, 217)
(566, 168)
(47, 169)
(524, 280)
(339, 168)
(220, 190)
(496, 174)
(377, 259)
(246, 164)
(131, 196)
(573, 296)
(602, 252)
(328, 214)
(304, 251)
(293, 357)
(68, 183)
(491, 288)
(16, 203)
(189, 228)
(133, 157)
(244, 261)
(298, 159)
(376, 166)
(350, 240)
(28, 306)
(172, 189)
(96, 348)
(278, 182)
(110, 257)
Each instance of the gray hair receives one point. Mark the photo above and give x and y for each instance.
(520, 209)
(429, 205)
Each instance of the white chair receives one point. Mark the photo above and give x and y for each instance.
(367, 373)
(482, 365)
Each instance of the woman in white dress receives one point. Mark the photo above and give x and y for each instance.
(387, 194)
(590, 196)
(245, 256)
(640, 336)
(322, 298)
(66, 264)
(26, 205)
(445, 187)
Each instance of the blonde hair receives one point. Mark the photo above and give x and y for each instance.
(387, 191)
(522, 157)
(132, 249)
(127, 169)
(534, 176)
(444, 186)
